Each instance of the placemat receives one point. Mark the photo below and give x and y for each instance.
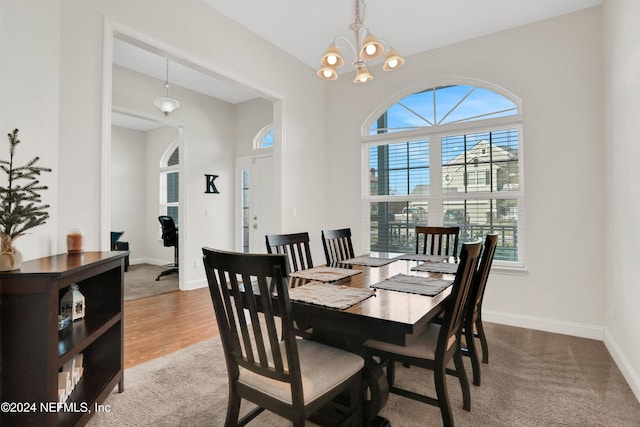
(437, 267)
(325, 274)
(334, 296)
(421, 257)
(368, 261)
(428, 286)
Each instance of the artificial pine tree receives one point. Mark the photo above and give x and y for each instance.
(21, 207)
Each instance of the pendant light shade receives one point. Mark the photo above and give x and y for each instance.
(362, 75)
(371, 48)
(393, 61)
(166, 104)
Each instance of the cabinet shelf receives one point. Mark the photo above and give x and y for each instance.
(82, 333)
(34, 351)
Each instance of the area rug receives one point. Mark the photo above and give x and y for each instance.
(140, 281)
(533, 379)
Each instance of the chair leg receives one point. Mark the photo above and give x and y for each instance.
(440, 378)
(483, 339)
(464, 382)
(233, 409)
(472, 352)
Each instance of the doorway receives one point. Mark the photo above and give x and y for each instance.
(257, 202)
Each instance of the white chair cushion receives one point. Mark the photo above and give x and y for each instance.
(322, 367)
(423, 346)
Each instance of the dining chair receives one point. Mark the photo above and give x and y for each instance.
(472, 325)
(337, 245)
(435, 347)
(291, 377)
(437, 240)
(294, 246)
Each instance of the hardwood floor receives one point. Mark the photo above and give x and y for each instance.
(158, 325)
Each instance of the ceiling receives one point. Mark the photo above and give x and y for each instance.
(305, 28)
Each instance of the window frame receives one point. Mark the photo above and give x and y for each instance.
(258, 140)
(164, 172)
(437, 197)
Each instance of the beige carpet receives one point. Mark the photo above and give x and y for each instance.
(533, 379)
(140, 281)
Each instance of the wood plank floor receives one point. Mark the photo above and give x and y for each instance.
(162, 324)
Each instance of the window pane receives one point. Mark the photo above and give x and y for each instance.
(173, 192)
(399, 169)
(267, 141)
(443, 105)
(174, 159)
(172, 211)
(477, 218)
(480, 162)
(393, 225)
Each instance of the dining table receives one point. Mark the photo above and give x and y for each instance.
(380, 313)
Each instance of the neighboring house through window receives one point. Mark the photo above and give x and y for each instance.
(170, 182)
(447, 155)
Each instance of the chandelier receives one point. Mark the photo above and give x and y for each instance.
(367, 47)
(166, 104)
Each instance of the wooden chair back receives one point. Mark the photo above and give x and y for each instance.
(480, 278)
(437, 240)
(459, 297)
(337, 245)
(294, 246)
(241, 287)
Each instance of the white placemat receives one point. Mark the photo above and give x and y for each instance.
(325, 274)
(428, 286)
(334, 296)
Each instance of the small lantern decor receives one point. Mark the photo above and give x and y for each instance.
(72, 303)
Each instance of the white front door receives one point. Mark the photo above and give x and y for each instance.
(258, 213)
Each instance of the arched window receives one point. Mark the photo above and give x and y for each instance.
(264, 138)
(447, 155)
(170, 182)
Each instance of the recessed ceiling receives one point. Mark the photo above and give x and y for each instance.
(135, 58)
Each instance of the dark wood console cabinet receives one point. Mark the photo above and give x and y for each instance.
(33, 351)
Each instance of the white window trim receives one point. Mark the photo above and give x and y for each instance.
(436, 196)
(164, 171)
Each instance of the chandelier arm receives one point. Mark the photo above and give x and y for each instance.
(354, 52)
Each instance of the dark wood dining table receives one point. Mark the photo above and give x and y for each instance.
(390, 316)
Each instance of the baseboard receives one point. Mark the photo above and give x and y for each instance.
(629, 374)
(151, 261)
(196, 284)
(583, 330)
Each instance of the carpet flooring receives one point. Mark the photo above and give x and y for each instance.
(140, 281)
(533, 379)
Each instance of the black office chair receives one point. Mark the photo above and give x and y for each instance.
(169, 238)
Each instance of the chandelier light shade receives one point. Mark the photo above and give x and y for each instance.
(166, 104)
(366, 48)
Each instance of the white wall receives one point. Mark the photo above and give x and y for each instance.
(29, 98)
(622, 226)
(250, 118)
(555, 67)
(128, 180)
